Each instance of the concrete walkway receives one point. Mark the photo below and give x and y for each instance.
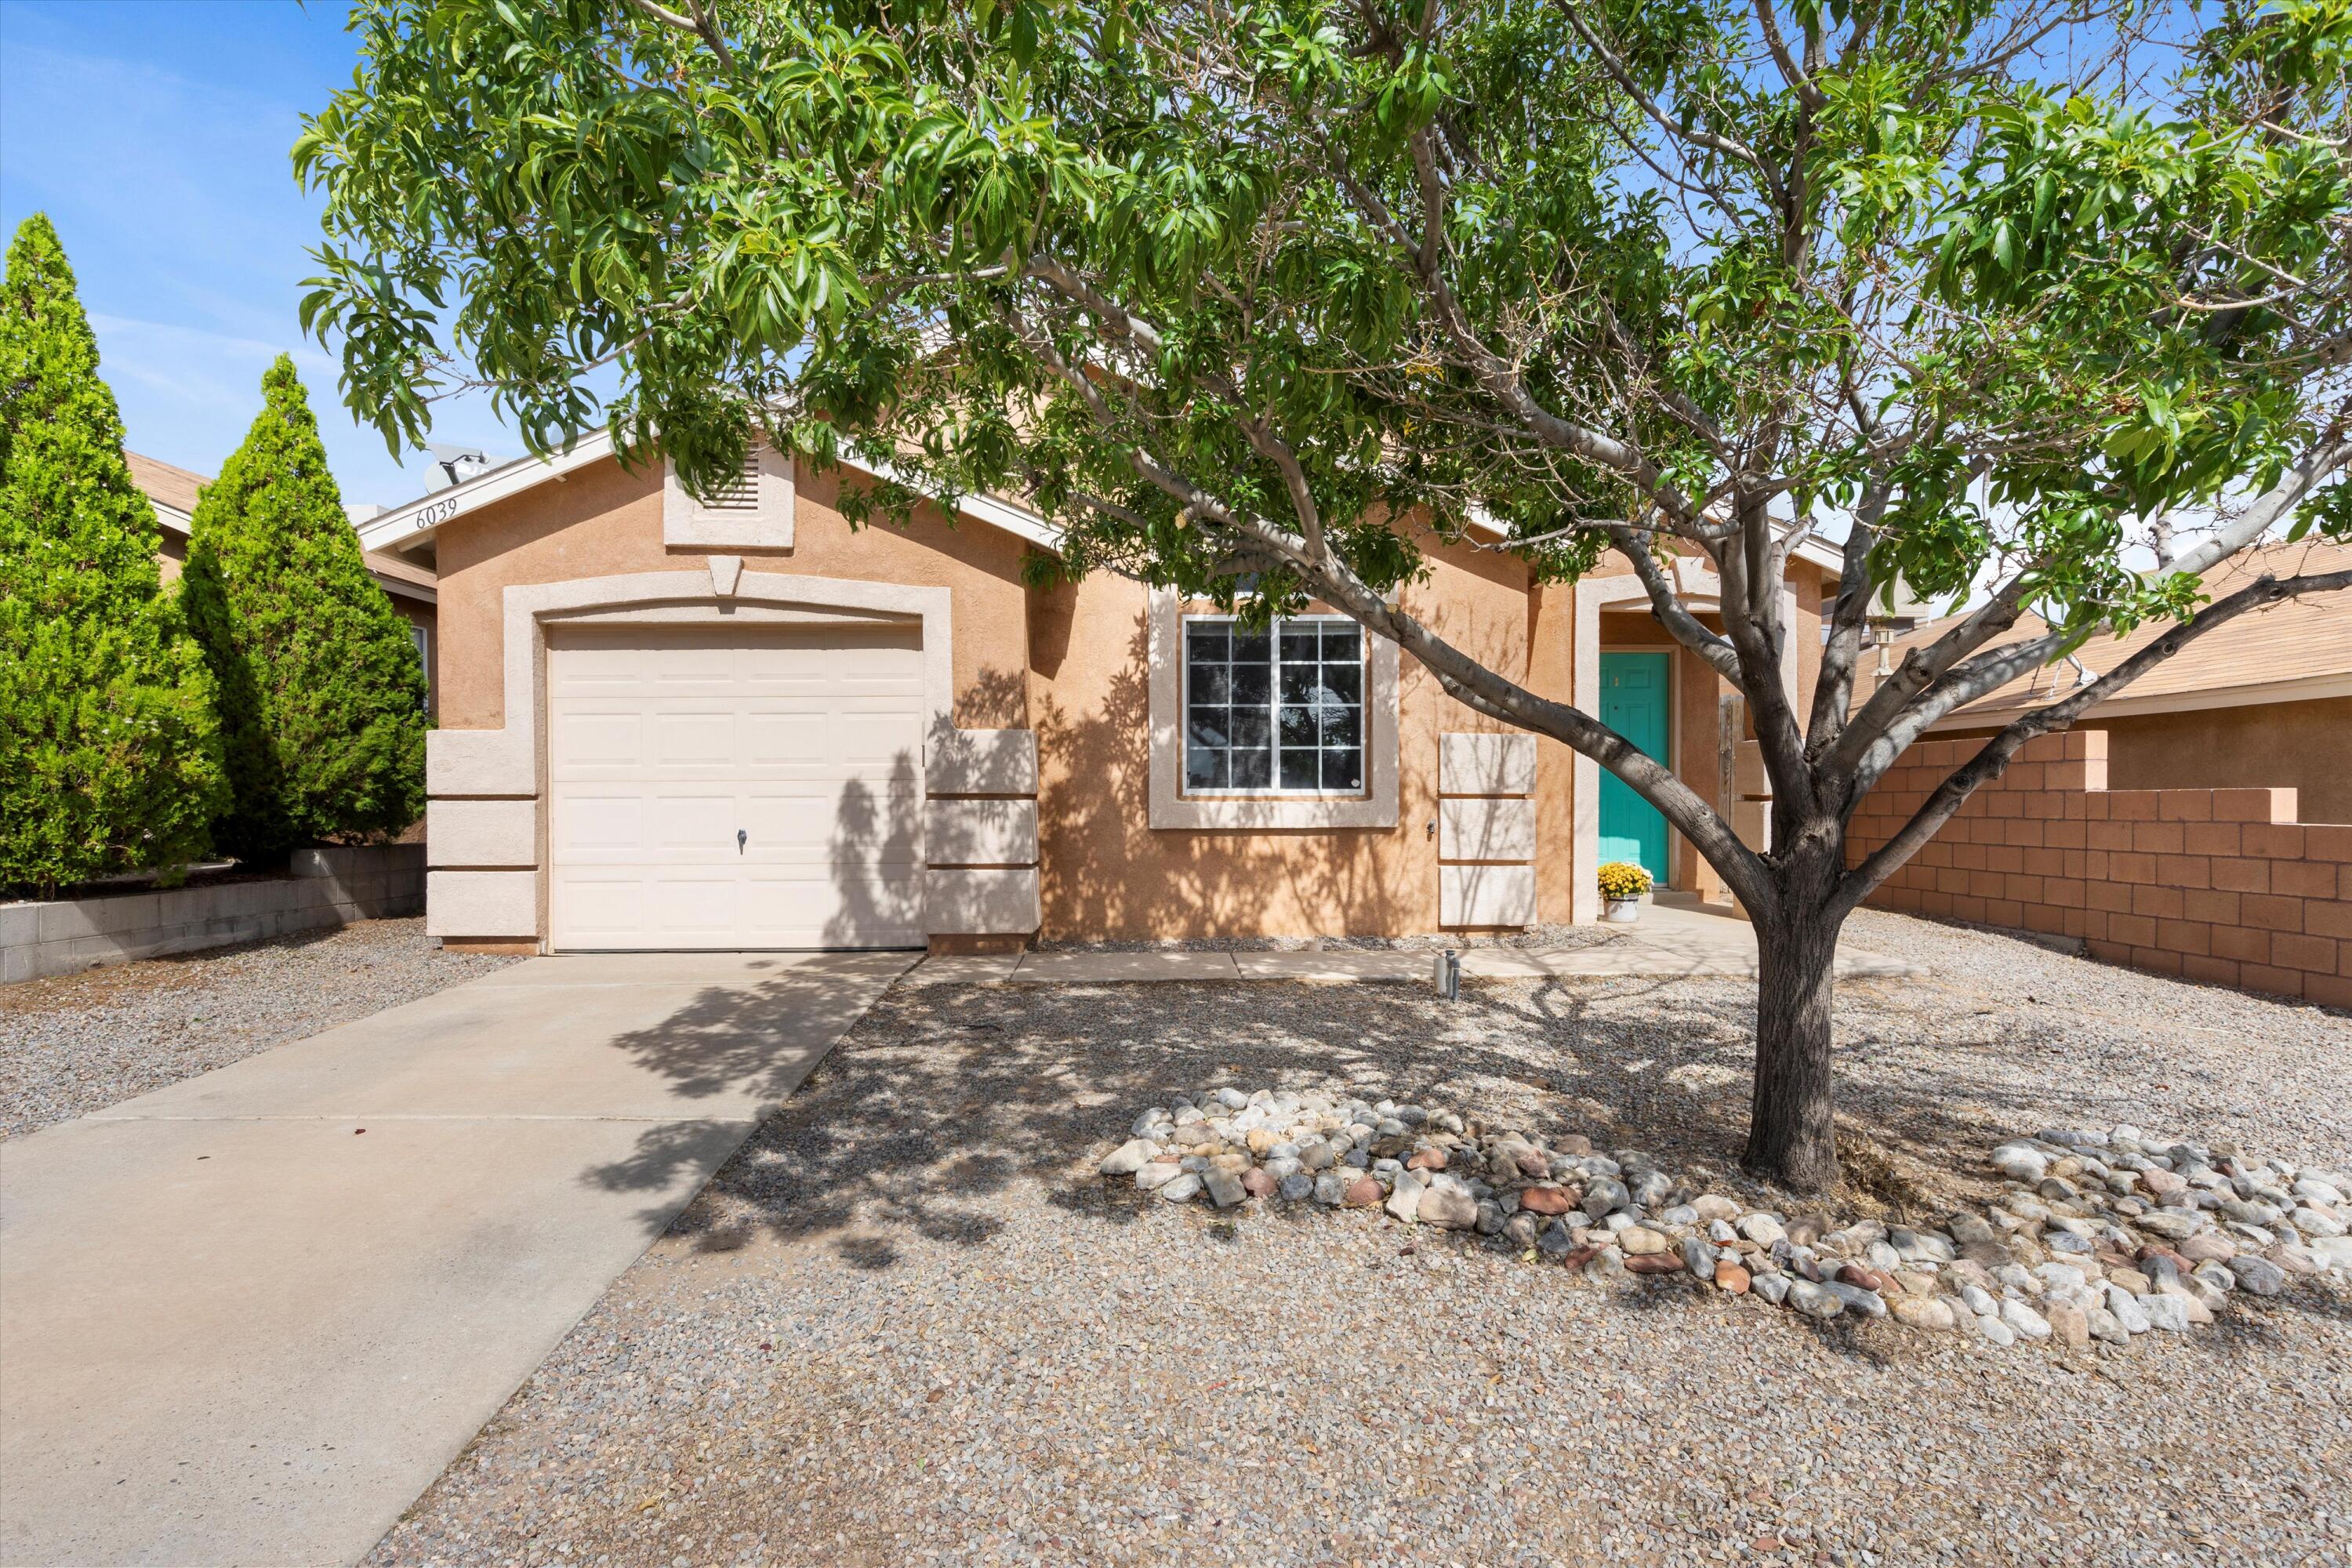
(249, 1317)
(1668, 940)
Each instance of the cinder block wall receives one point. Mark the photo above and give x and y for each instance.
(328, 887)
(2220, 885)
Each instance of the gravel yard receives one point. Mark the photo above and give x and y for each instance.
(908, 1324)
(72, 1044)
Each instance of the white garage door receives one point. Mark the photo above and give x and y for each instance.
(726, 787)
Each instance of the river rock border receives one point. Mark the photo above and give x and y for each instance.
(2101, 1235)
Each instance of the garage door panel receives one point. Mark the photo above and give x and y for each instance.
(602, 903)
(695, 743)
(695, 826)
(665, 741)
(689, 909)
(598, 825)
(592, 741)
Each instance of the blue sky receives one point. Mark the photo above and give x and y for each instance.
(155, 133)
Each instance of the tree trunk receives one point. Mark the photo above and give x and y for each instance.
(1792, 1133)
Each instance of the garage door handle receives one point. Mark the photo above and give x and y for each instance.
(741, 839)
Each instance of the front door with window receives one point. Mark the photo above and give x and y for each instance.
(1634, 691)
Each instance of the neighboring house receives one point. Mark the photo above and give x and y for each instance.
(740, 725)
(172, 492)
(2264, 703)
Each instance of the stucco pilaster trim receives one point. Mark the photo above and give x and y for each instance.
(1171, 808)
(1701, 589)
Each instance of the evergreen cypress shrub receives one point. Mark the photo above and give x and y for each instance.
(321, 696)
(109, 756)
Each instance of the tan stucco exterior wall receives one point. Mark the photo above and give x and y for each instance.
(2303, 746)
(1109, 875)
(1070, 662)
(604, 520)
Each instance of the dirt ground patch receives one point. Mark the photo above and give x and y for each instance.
(908, 1325)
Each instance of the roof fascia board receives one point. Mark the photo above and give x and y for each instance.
(407, 524)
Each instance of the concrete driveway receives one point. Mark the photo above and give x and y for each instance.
(249, 1318)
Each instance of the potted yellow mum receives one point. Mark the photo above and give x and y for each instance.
(1623, 883)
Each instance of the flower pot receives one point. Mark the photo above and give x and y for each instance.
(1623, 911)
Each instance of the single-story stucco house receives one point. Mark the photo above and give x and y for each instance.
(745, 725)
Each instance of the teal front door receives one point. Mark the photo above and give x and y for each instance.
(1634, 695)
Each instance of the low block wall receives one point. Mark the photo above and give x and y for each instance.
(2220, 885)
(327, 888)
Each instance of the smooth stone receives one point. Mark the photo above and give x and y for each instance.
(1546, 1200)
(1698, 1256)
(1814, 1300)
(1763, 1229)
(1448, 1207)
(2164, 1311)
(2207, 1247)
(1282, 1168)
(1990, 1330)
(1606, 1264)
(1923, 1312)
(2124, 1305)
(1183, 1189)
(1731, 1276)
(2332, 1251)
(2259, 1275)
(1404, 1202)
(1774, 1288)
(1979, 1302)
(1363, 1193)
(1157, 1174)
(2021, 1162)
(1297, 1187)
(1714, 1207)
(2071, 1325)
(1331, 1188)
(1868, 1302)
(1653, 1263)
(1255, 1182)
(1129, 1157)
(1639, 1242)
(1490, 1217)
(1225, 1188)
(1602, 1194)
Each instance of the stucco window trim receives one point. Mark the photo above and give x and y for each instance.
(1700, 590)
(1173, 809)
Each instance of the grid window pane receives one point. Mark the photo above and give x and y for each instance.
(1275, 710)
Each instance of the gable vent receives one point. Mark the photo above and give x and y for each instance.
(742, 493)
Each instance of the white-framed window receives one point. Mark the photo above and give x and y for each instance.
(1278, 711)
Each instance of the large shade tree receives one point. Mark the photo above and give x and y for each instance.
(2044, 299)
